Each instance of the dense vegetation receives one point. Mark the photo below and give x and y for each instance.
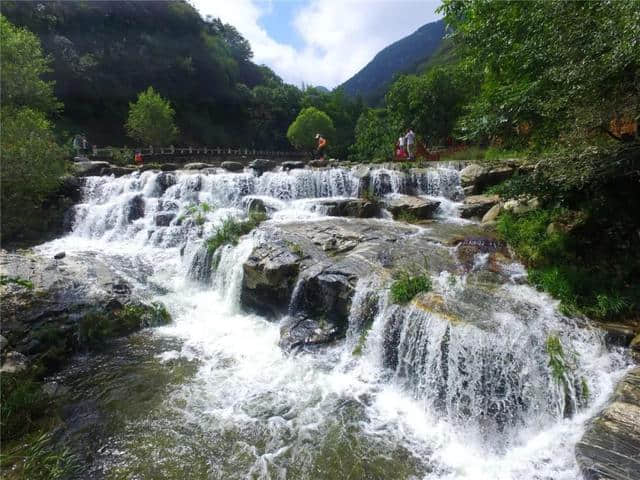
(105, 53)
(32, 162)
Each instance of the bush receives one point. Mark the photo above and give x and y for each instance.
(596, 285)
(32, 164)
(407, 286)
(231, 230)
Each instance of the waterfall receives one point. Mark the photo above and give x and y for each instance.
(164, 208)
(478, 380)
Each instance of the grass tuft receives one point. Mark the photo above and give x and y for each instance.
(231, 230)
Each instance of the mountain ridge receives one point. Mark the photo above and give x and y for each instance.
(401, 56)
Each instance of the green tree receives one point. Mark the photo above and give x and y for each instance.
(32, 162)
(429, 103)
(151, 119)
(302, 131)
(557, 68)
(23, 64)
(375, 136)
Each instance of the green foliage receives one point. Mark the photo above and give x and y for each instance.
(231, 230)
(38, 459)
(23, 403)
(343, 111)
(96, 327)
(23, 65)
(527, 234)
(302, 131)
(587, 76)
(150, 119)
(6, 280)
(408, 284)
(406, 216)
(429, 103)
(375, 137)
(32, 161)
(295, 249)
(585, 280)
(122, 156)
(557, 364)
(369, 196)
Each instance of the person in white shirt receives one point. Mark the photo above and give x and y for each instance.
(410, 140)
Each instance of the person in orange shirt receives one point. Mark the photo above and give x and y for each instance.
(138, 158)
(322, 143)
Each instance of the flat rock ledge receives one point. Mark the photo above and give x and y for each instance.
(53, 307)
(610, 447)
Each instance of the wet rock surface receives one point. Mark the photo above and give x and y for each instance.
(311, 268)
(51, 306)
(417, 207)
(610, 447)
(478, 205)
(348, 207)
(232, 166)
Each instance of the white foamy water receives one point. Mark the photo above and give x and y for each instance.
(470, 399)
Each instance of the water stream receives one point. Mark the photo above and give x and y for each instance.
(212, 395)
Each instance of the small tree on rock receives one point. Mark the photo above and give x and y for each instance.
(151, 119)
(302, 131)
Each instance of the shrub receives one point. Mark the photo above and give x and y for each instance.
(231, 230)
(407, 286)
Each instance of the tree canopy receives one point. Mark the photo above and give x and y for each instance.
(32, 162)
(150, 119)
(302, 131)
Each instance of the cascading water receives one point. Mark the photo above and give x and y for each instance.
(424, 395)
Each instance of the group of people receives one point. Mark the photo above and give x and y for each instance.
(405, 146)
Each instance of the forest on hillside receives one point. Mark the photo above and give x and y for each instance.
(104, 53)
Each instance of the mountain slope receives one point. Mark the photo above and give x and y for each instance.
(404, 55)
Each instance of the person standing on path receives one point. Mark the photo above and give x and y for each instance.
(410, 141)
(401, 145)
(322, 144)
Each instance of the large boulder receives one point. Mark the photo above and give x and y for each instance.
(521, 205)
(471, 174)
(269, 276)
(197, 166)
(477, 205)
(292, 164)
(610, 446)
(163, 219)
(135, 208)
(417, 207)
(261, 165)
(318, 163)
(232, 166)
(477, 178)
(90, 168)
(310, 270)
(348, 207)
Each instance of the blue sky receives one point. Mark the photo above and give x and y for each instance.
(320, 42)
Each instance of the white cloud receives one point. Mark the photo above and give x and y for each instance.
(339, 37)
